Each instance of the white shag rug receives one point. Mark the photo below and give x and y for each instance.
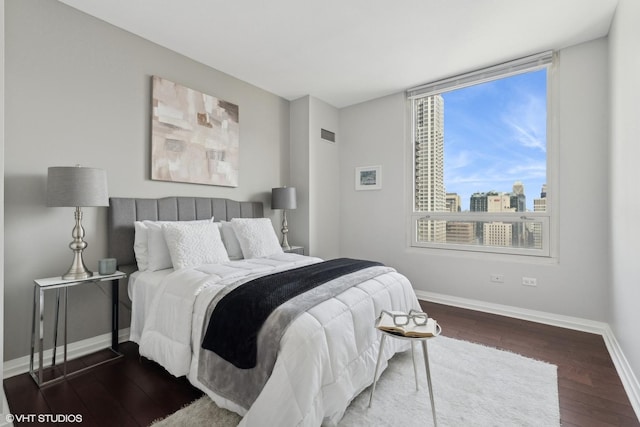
(473, 385)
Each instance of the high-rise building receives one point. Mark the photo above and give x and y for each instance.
(499, 202)
(460, 232)
(497, 234)
(453, 202)
(518, 198)
(494, 201)
(518, 187)
(429, 165)
(478, 202)
(518, 203)
(539, 205)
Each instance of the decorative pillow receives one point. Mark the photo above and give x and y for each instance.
(194, 244)
(256, 236)
(158, 256)
(230, 240)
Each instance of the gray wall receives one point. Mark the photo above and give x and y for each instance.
(315, 174)
(625, 175)
(79, 91)
(324, 180)
(299, 230)
(375, 223)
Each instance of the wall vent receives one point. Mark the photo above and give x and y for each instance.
(327, 135)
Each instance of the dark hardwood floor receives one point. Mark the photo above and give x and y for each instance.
(589, 388)
(133, 391)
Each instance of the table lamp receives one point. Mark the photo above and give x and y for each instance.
(69, 186)
(284, 198)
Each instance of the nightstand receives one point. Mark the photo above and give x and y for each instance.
(295, 250)
(59, 284)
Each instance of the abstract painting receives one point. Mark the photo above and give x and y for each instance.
(195, 137)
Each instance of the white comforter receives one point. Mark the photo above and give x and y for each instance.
(326, 358)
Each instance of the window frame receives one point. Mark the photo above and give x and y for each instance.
(548, 219)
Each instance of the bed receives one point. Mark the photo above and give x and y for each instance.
(319, 362)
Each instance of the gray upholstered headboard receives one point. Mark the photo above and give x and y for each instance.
(123, 212)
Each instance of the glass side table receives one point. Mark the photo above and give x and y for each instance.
(37, 327)
(295, 250)
(413, 340)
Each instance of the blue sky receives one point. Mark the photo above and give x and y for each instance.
(495, 134)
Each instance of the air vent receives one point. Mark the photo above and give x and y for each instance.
(327, 135)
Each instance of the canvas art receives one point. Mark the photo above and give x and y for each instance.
(195, 137)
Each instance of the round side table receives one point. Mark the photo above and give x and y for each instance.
(425, 353)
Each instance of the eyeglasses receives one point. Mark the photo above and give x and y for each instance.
(401, 319)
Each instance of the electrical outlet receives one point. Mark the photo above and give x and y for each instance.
(529, 281)
(497, 278)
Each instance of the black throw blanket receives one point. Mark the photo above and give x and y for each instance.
(237, 318)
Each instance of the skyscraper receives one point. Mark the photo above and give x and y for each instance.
(518, 198)
(478, 202)
(429, 165)
(518, 187)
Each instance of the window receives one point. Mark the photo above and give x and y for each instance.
(480, 160)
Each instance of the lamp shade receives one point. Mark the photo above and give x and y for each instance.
(283, 198)
(75, 186)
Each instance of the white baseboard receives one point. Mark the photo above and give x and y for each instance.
(627, 376)
(74, 350)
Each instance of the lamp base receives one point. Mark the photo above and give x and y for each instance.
(285, 230)
(77, 275)
(285, 242)
(77, 270)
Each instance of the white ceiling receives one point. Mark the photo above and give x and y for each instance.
(348, 51)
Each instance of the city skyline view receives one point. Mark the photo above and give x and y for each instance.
(495, 135)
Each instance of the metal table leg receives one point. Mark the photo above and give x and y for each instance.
(426, 365)
(375, 374)
(55, 330)
(115, 299)
(40, 335)
(33, 328)
(415, 367)
(66, 304)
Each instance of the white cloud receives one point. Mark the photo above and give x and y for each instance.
(527, 122)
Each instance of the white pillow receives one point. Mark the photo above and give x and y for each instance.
(256, 236)
(158, 257)
(140, 247)
(194, 244)
(230, 240)
(157, 252)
